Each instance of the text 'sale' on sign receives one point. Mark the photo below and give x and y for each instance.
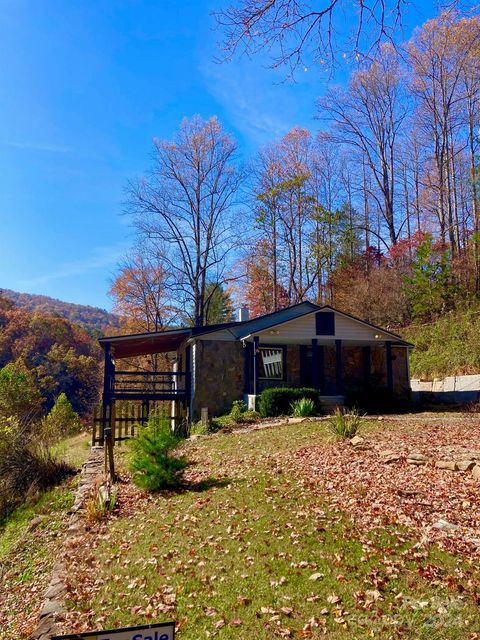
(163, 631)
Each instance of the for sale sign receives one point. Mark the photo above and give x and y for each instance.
(164, 631)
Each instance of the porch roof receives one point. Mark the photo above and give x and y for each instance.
(141, 344)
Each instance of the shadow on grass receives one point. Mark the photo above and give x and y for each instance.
(203, 485)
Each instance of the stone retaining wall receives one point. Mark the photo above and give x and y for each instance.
(92, 471)
(451, 390)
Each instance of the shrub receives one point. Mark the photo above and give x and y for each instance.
(27, 466)
(153, 464)
(199, 428)
(344, 425)
(237, 411)
(277, 401)
(19, 396)
(239, 414)
(101, 501)
(303, 408)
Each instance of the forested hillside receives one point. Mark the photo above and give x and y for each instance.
(91, 318)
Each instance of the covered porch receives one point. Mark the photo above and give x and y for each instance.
(332, 366)
(145, 386)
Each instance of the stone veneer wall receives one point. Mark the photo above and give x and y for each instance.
(219, 376)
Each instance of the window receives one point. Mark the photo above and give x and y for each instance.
(271, 363)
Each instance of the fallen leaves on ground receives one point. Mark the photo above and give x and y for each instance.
(375, 492)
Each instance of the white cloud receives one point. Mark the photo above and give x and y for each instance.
(99, 258)
(250, 100)
(37, 146)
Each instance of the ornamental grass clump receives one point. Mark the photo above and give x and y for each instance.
(345, 425)
(303, 408)
(154, 465)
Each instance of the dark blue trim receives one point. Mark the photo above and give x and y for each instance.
(247, 369)
(256, 342)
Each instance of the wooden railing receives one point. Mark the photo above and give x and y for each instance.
(127, 418)
(144, 385)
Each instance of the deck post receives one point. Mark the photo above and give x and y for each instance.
(256, 355)
(388, 348)
(338, 367)
(108, 385)
(315, 382)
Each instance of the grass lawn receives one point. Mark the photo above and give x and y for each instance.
(253, 548)
(29, 539)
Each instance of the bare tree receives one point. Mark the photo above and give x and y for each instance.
(186, 204)
(295, 31)
(441, 56)
(368, 117)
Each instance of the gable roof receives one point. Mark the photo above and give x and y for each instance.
(170, 339)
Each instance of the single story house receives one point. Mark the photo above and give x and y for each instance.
(304, 345)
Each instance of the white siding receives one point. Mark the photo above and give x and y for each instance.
(304, 329)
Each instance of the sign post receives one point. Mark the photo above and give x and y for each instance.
(161, 631)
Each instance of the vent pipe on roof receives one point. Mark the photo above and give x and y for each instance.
(243, 314)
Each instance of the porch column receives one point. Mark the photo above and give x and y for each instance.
(388, 348)
(338, 367)
(256, 364)
(315, 382)
(247, 368)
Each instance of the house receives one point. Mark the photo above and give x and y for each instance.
(302, 345)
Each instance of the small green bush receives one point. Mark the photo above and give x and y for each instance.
(277, 401)
(250, 416)
(344, 425)
(199, 428)
(153, 464)
(303, 408)
(237, 411)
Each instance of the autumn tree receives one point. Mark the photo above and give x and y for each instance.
(186, 205)
(258, 294)
(140, 293)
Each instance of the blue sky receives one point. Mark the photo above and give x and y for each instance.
(85, 87)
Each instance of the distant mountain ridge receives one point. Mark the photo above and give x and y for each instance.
(92, 318)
